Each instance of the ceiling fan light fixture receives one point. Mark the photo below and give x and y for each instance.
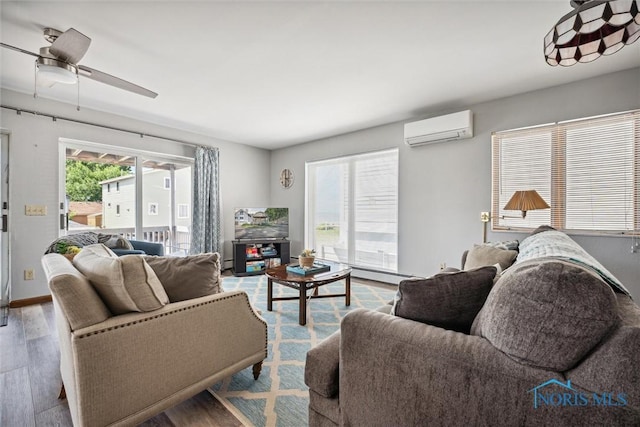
(57, 71)
(594, 28)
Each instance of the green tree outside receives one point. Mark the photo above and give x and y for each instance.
(273, 214)
(83, 179)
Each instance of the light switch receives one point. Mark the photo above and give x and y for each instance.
(35, 210)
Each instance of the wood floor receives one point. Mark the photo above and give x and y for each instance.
(30, 379)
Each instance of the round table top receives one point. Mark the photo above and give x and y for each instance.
(337, 272)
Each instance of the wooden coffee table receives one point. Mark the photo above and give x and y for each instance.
(303, 284)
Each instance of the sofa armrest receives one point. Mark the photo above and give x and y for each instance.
(146, 357)
(395, 371)
(321, 370)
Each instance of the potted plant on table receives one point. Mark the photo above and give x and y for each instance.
(307, 257)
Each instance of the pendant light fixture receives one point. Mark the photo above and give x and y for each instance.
(592, 29)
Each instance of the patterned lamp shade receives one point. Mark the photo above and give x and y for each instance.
(524, 201)
(592, 29)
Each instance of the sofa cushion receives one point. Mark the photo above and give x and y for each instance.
(189, 277)
(483, 255)
(598, 372)
(447, 300)
(547, 314)
(125, 284)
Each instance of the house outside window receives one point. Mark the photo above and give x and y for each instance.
(183, 211)
(352, 209)
(118, 210)
(587, 170)
(167, 183)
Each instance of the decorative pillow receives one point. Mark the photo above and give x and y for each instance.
(187, 277)
(447, 300)
(509, 245)
(542, 228)
(125, 284)
(547, 314)
(483, 255)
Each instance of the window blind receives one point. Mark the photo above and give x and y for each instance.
(352, 209)
(587, 170)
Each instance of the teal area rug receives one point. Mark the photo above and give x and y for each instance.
(280, 398)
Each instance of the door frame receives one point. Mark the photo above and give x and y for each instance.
(5, 238)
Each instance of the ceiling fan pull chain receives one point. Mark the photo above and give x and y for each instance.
(35, 79)
(78, 103)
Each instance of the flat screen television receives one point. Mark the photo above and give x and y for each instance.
(261, 223)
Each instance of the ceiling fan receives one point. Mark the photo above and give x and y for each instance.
(58, 63)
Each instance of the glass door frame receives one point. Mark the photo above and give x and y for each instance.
(5, 239)
(140, 156)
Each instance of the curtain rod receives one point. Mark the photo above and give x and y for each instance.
(19, 111)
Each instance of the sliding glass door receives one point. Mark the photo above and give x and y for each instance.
(100, 191)
(137, 195)
(166, 203)
(352, 209)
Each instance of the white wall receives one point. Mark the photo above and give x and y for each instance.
(34, 173)
(444, 187)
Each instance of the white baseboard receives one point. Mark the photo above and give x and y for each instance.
(377, 276)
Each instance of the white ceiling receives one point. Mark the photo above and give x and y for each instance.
(273, 74)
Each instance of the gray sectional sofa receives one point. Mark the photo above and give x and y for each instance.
(555, 342)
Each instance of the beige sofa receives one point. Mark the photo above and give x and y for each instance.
(119, 370)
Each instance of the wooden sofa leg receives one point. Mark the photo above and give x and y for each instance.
(256, 370)
(63, 393)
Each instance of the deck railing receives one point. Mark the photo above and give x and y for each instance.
(179, 242)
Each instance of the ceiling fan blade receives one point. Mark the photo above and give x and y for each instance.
(70, 46)
(105, 78)
(17, 49)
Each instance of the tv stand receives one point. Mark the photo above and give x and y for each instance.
(252, 257)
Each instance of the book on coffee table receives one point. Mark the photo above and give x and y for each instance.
(308, 271)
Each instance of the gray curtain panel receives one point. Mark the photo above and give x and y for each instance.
(206, 230)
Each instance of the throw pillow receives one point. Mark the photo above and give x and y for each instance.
(542, 228)
(447, 300)
(125, 284)
(511, 245)
(187, 277)
(117, 242)
(547, 314)
(483, 255)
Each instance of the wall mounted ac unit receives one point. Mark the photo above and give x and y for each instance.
(439, 129)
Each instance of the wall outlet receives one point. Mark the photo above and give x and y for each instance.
(29, 274)
(35, 210)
